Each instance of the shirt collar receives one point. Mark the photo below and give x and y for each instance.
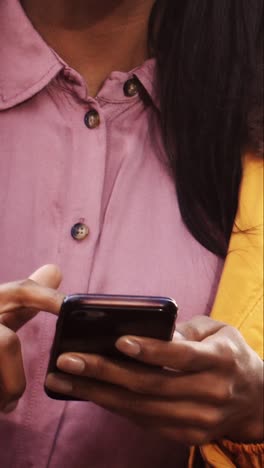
(147, 76)
(28, 64)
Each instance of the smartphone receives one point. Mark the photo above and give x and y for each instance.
(92, 323)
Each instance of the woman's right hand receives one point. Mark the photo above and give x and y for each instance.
(20, 301)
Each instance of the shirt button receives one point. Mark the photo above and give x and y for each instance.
(131, 87)
(79, 231)
(92, 119)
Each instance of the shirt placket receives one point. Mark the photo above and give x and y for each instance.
(81, 188)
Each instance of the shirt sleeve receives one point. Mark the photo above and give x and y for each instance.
(239, 299)
(239, 302)
(227, 454)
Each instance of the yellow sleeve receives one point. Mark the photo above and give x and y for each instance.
(226, 454)
(239, 302)
(239, 299)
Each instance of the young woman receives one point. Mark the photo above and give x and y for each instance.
(124, 128)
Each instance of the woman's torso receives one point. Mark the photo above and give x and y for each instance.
(56, 172)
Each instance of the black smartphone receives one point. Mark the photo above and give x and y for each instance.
(92, 323)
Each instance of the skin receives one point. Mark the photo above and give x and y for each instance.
(20, 301)
(94, 37)
(209, 382)
(208, 385)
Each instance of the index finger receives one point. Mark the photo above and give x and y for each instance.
(47, 275)
(28, 295)
(189, 356)
(38, 292)
(21, 301)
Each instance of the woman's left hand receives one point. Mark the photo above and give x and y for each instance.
(208, 386)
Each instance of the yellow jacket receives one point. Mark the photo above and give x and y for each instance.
(239, 302)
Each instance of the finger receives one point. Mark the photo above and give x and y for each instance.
(187, 356)
(184, 435)
(199, 328)
(132, 376)
(105, 395)
(28, 294)
(126, 403)
(48, 276)
(12, 377)
(145, 379)
(176, 431)
(20, 301)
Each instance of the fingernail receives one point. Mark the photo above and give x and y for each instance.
(59, 384)
(127, 346)
(71, 364)
(10, 407)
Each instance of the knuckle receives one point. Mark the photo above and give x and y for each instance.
(139, 385)
(23, 289)
(9, 342)
(227, 351)
(144, 384)
(223, 394)
(211, 419)
(233, 332)
(150, 384)
(232, 362)
(99, 367)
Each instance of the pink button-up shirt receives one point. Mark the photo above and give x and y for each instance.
(55, 172)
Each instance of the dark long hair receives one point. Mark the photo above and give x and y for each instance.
(209, 55)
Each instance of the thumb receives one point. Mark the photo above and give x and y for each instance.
(199, 328)
(48, 276)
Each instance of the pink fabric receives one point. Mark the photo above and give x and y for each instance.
(55, 172)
